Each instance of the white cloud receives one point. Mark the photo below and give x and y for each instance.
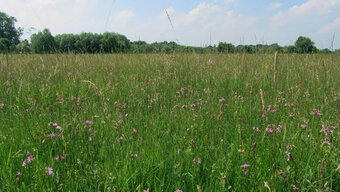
(310, 8)
(206, 19)
(121, 20)
(60, 16)
(124, 15)
(335, 24)
(274, 6)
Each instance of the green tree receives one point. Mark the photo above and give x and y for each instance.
(8, 30)
(43, 42)
(23, 46)
(304, 45)
(4, 45)
(225, 48)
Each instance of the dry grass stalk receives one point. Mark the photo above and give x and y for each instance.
(263, 104)
(275, 66)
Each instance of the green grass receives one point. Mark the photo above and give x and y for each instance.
(140, 139)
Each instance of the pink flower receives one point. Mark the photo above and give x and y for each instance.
(89, 122)
(59, 157)
(256, 129)
(269, 130)
(18, 173)
(211, 61)
(266, 184)
(69, 74)
(146, 190)
(294, 187)
(206, 90)
(197, 160)
(221, 100)
(134, 131)
(246, 172)
(245, 166)
(49, 171)
(59, 128)
(178, 190)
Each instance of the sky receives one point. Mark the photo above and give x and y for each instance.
(190, 22)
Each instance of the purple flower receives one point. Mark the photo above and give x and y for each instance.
(59, 128)
(28, 160)
(146, 190)
(18, 173)
(221, 100)
(49, 171)
(178, 190)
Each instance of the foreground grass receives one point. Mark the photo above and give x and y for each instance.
(168, 122)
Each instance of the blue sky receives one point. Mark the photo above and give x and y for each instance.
(198, 23)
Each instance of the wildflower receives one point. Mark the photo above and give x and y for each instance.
(246, 172)
(269, 130)
(289, 156)
(49, 171)
(294, 187)
(279, 127)
(59, 128)
(184, 106)
(256, 129)
(134, 131)
(146, 190)
(211, 61)
(59, 157)
(18, 173)
(88, 122)
(266, 184)
(206, 90)
(28, 160)
(133, 155)
(197, 160)
(244, 166)
(178, 190)
(69, 74)
(280, 172)
(304, 120)
(221, 100)
(303, 126)
(254, 147)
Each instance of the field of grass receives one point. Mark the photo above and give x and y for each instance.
(131, 122)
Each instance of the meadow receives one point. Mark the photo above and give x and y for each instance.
(169, 122)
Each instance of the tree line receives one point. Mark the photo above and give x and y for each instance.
(109, 42)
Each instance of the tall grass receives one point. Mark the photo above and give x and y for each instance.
(165, 122)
